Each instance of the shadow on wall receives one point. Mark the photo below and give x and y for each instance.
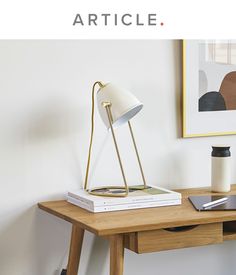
(97, 258)
(54, 119)
(96, 253)
(32, 239)
(35, 238)
(39, 243)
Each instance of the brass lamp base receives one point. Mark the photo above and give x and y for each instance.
(114, 191)
(109, 191)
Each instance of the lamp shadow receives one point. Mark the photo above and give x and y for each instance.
(54, 118)
(98, 255)
(49, 119)
(34, 241)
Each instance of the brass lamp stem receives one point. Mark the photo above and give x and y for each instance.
(91, 134)
(137, 155)
(109, 115)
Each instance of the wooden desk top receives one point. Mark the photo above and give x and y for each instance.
(141, 219)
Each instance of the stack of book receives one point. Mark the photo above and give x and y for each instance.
(152, 196)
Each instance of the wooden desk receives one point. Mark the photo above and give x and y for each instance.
(145, 230)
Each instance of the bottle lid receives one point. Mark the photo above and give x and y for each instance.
(220, 151)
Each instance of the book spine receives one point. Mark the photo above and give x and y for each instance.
(126, 200)
(134, 206)
(130, 207)
(82, 199)
(120, 207)
(80, 204)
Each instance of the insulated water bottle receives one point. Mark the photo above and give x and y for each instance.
(220, 168)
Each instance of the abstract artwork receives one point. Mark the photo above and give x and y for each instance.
(209, 82)
(217, 76)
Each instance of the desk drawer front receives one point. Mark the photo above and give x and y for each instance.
(161, 239)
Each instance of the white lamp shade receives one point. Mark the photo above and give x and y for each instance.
(124, 105)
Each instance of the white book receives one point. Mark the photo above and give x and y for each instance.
(136, 195)
(119, 207)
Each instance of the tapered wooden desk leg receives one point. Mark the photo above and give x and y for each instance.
(116, 255)
(76, 242)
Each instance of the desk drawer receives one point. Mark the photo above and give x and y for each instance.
(173, 238)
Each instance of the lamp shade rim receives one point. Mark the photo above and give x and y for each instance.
(127, 115)
(123, 104)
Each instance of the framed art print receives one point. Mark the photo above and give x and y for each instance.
(209, 87)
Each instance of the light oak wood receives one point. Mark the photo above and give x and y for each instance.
(111, 223)
(77, 236)
(143, 230)
(158, 240)
(130, 241)
(229, 236)
(116, 255)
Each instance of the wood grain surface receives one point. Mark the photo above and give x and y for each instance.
(116, 255)
(111, 223)
(76, 242)
(159, 240)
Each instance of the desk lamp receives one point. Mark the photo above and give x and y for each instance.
(116, 107)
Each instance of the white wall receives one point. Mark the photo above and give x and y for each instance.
(45, 121)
